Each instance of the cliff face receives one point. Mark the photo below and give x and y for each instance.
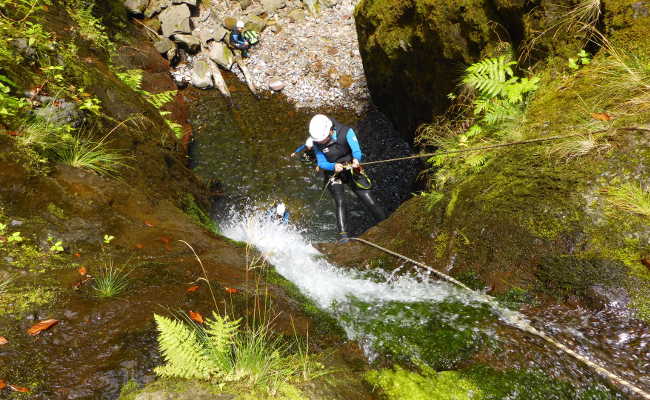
(414, 51)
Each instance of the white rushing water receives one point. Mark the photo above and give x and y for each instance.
(298, 261)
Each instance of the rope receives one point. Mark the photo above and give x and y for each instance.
(496, 146)
(524, 325)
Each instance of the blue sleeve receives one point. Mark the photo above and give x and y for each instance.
(322, 161)
(236, 38)
(351, 137)
(299, 149)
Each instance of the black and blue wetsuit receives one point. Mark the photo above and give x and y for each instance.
(238, 41)
(343, 147)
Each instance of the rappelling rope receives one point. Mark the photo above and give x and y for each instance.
(496, 146)
(524, 325)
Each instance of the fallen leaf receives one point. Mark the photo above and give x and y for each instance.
(83, 271)
(192, 288)
(2, 384)
(196, 316)
(139, 246)
(231, 290)
(3, 341)
(12, 133)
(165, 239)
(168, 247)
(19, 389)
(646, 262)
(602, 116)
(78, 285)
(42, 326)
(77, 254)
(149, 224)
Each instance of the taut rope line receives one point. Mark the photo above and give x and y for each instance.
(496, 146)
(524, 325)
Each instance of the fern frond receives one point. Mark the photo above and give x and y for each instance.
(183, 353)
(220, 333)
(160, 99)
(132, 78)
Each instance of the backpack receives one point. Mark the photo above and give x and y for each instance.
(251, 36)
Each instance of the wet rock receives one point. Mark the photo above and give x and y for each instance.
(202, 74)
(271, 6)
(604, 298)
(190, 42)
(136, 7)
(221, 54)
(276, 85)
(60, 113)
(16, 222)
(255, 23)
(23, 47)
(155, 7)
(175, 20)
(164, 45)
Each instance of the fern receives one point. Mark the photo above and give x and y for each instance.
(219, 334)
(184, 354)
(158, 100)
(132, 78)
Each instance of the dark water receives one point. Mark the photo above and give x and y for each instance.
(247, 149)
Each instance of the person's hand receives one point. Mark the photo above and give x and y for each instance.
(338, 167)
(355, 163)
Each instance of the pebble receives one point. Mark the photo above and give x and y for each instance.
(297, 56)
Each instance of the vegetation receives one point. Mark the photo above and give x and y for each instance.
(111, 281)
(629, 197)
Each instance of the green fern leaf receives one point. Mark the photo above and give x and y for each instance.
(220, 336)
(160, 99)
(183, 353)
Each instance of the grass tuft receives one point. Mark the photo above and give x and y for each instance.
(630, 197)
(111, 281)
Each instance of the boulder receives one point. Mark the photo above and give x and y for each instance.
(155, 7)
(202, 74)
(221, 54)
(175, 20)
(296, 15)
(256, 10)
(220, 32)
(136, 7)
(271, 6)
(163, 45)
(244, 4)
(255, 23)
(188, 2)
(229, 23)
(204, 35)
(312, 5)
(191, 43)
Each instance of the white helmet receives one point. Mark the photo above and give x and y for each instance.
(319, 127)
(309, 142)
(280, 209)
(240, 24)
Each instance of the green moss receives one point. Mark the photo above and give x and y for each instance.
(481, 383)
(20, 300)
(191, 208)
(436, 334)
(400, 384)
(56, 211)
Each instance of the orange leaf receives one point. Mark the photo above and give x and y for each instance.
(42, 326)
(196, 317)
(165, 239)
(139, 246)
(2, 384)
(83, 271)
(231, 290)
(602, 116)
(12, 133)
(3, 341)
(192, 289)
(149, 224)
(77, 254)
(19, 389)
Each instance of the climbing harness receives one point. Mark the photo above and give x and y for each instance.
(496, 146)
(521, 323)
(360, 178)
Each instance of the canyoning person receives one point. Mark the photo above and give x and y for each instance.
(279, 213)
(338, 154)
(308, 149)
(237, 39)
